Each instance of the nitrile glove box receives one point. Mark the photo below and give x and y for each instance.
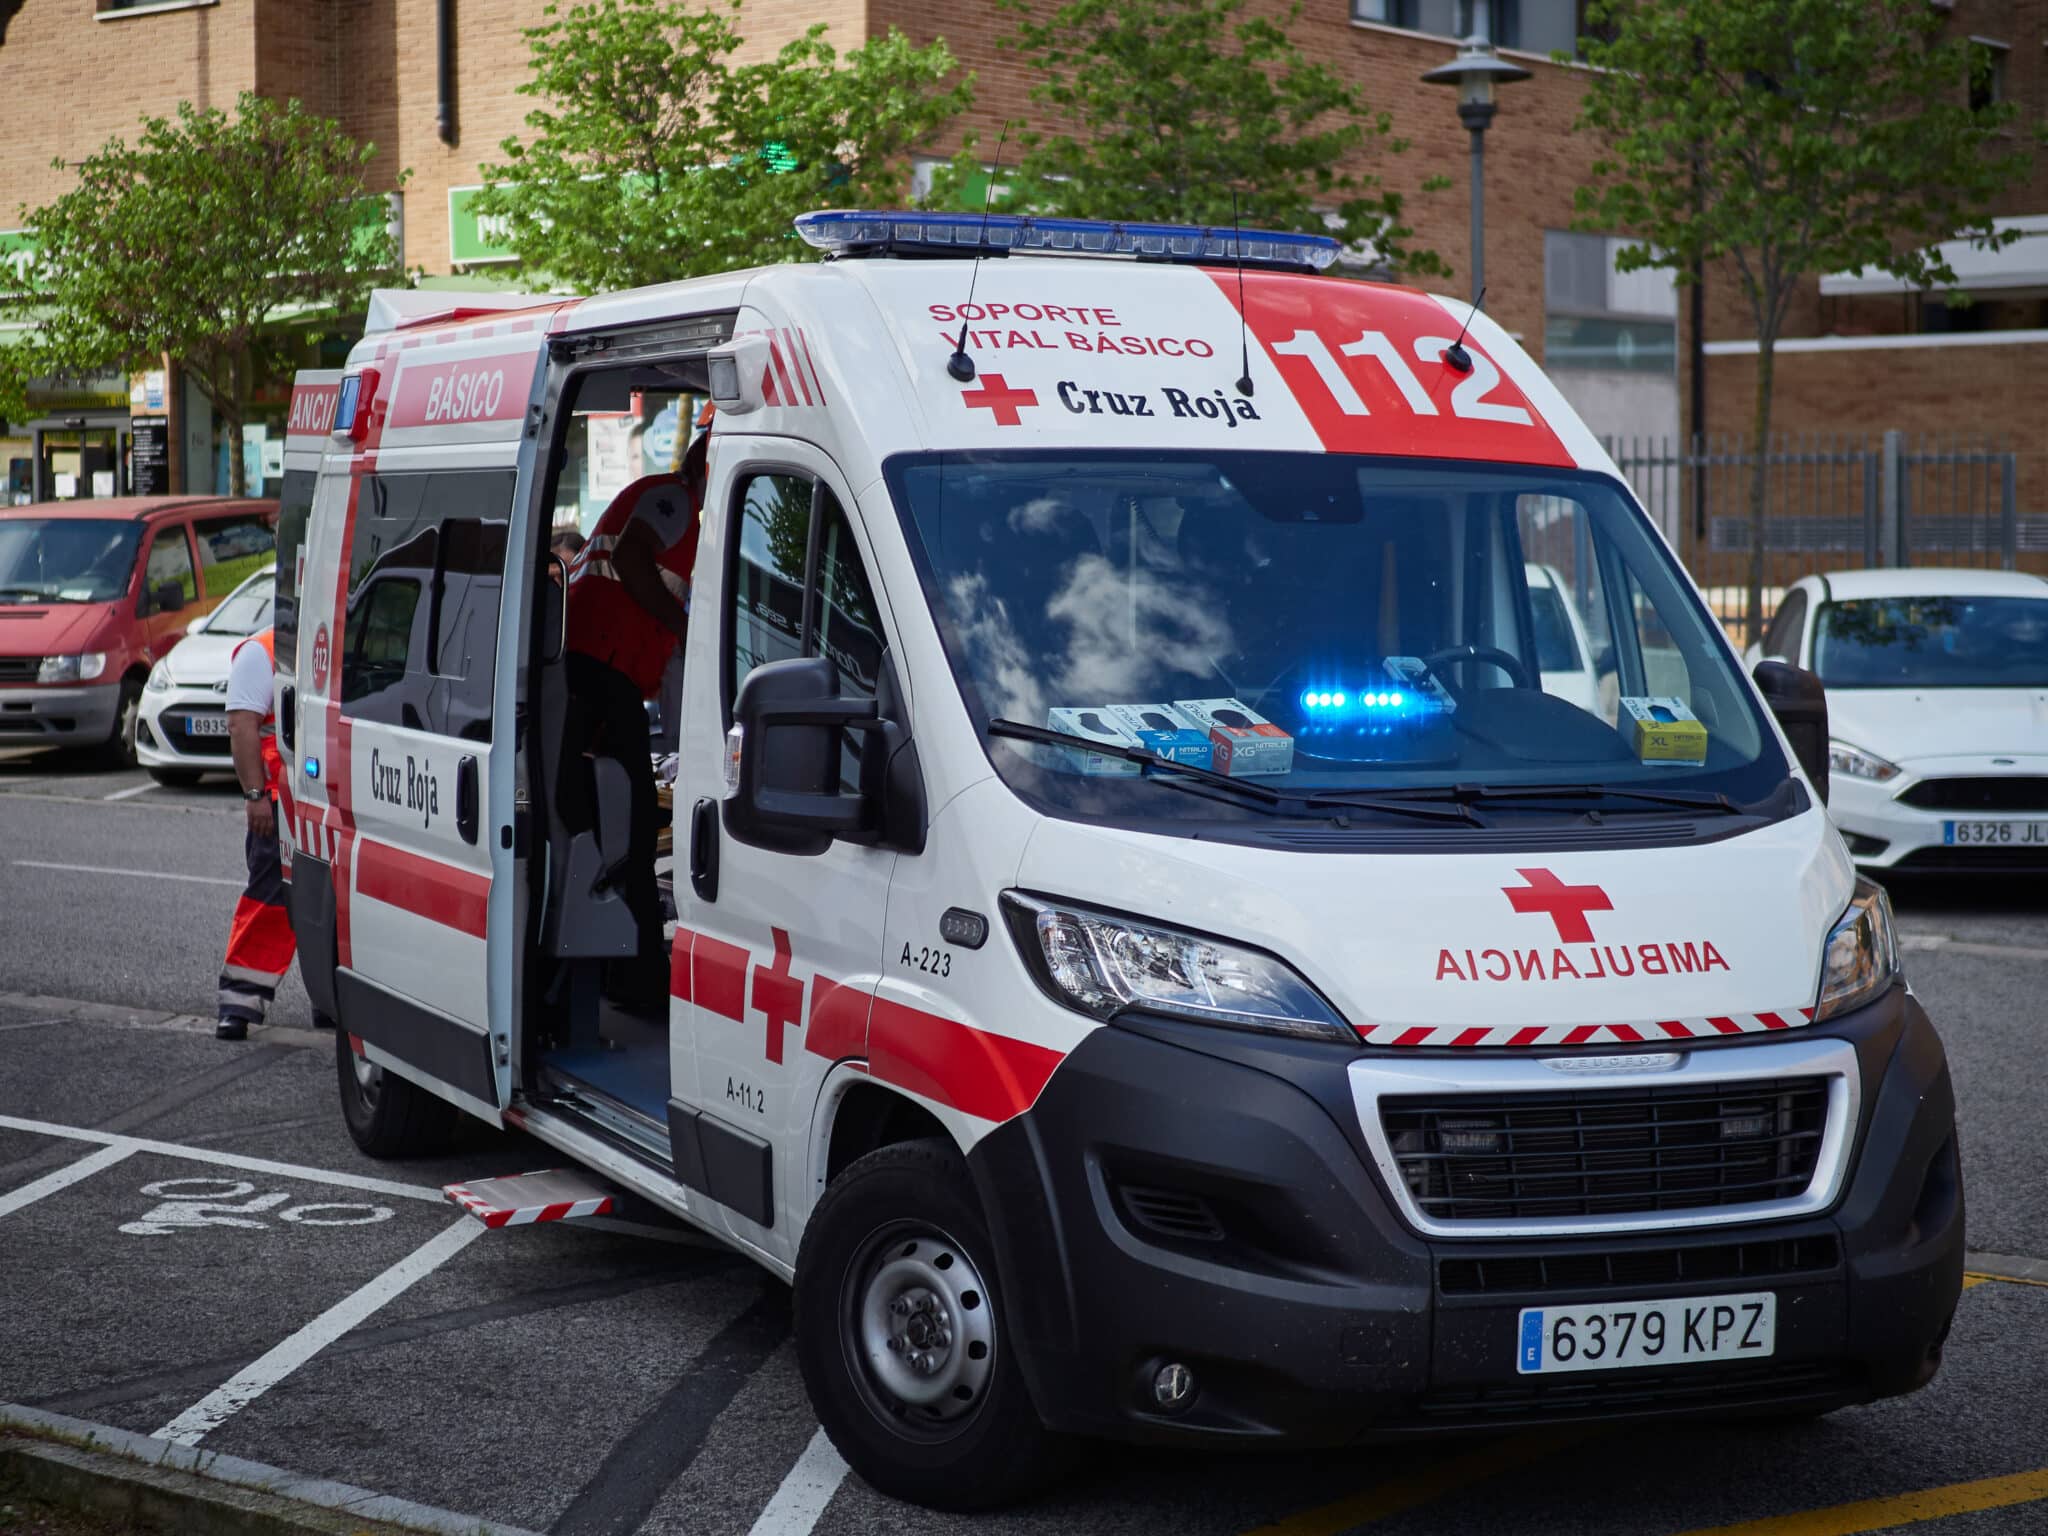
(1096, 725)
(1246, 742)
(1163, 729)
(1664, 730)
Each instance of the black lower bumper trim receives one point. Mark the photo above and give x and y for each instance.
(1776, 1385)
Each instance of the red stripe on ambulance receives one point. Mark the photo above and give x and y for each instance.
(441, 893)
(459, 393)
(978, 1073)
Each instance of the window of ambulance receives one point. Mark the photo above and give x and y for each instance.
(295, 507)
(66, 559)
(1368, 627)
(426, 572)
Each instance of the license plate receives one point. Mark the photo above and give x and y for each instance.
(2017, 834)
(206, 725)
(1623, 1335)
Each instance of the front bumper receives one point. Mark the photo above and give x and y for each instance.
(1309, 1310)
(1886, 833)
(72, 717)
(163, 739)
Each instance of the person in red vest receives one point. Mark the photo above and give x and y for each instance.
(260, 943)
(629, 601)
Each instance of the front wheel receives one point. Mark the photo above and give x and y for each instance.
(900, 1338)
(386, 1115)
(118, 750)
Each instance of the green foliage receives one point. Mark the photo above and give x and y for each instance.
(189, 241)
(1788, 138)
(653, 156)
(1174, 105)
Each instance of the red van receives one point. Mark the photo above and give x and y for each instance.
(93, 592)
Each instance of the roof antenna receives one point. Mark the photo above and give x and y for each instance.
(960, 365)
(1455, 355)
(1244, 346)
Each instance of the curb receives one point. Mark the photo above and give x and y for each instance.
(80, 1011)
(2007, 1266)
(153, 1483)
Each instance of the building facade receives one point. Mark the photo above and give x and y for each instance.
(437, 102)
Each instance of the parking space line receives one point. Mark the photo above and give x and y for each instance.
(130, 794)
(798, 1503)
(1896, 1509)
(214, 1409)
(422, 1192)
(63, 1178)
(126, 874)
(1402, 1494)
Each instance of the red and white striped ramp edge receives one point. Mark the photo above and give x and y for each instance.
(519, 1199)
(1469, 1035)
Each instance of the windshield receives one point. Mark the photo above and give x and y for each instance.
(66, 559)
(1933, 642)
(1325, 624)
(246, 610)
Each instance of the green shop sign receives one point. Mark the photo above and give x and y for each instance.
(473, 237)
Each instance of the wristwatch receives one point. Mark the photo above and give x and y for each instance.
(255, 794)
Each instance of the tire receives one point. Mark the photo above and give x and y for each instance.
(894, 1296)
(175, 778)
(118, 750)
(386, 1115)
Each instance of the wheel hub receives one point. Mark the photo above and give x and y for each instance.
(924, 1329)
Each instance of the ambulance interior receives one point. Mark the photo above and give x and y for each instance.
(612, 1061)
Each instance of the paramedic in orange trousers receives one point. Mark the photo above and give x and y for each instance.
(629, 592)
(260, 944)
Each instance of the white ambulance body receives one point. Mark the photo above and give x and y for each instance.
(1151, 958)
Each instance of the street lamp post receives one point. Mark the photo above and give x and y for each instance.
(1476, 72)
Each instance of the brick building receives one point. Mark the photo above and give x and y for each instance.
(1619, 345)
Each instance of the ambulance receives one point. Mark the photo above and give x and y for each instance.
(1151, 959)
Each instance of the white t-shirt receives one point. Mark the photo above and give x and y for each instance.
(249, 679)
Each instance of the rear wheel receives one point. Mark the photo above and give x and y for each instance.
(386, 1115)
(900, 1336)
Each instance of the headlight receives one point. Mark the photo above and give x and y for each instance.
(1861, 956)
(160, 676)
(1859, 764)
(1100, 965)
(72, 669)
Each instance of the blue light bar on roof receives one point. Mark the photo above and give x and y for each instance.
(854, 232)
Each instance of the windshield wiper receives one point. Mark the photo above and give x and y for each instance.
(1151, 765)
(1696, 800)
(21, 591)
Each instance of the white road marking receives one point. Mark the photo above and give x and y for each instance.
(126, 874)
(63, 1178)
(422, 1192)
(798, 1503)
(214, 1409)
(8, 1029)
(130, 794)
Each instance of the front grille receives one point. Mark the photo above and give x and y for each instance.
(1776, 1383)
(19, 669)
(1171, 1213)
(2007, 792)
(1528, 1274)
(1521, 1156)
(180, 738)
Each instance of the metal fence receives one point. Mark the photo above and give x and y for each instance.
(1833, 502)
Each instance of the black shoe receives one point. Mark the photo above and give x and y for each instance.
(231, 1029)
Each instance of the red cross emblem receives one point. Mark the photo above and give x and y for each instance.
(996, 397)
(1565, 905)
(778, 996)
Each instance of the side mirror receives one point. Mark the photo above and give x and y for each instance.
(791, 727)
(197, 624)
(1800, 702)
(166, 597)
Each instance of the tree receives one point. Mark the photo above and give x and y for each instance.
(654, 157)
(194, 240)
(1174, 107)
(1787, 138)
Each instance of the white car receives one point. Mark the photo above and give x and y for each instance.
(182, 729)
(1937, 687)
(1565, 657)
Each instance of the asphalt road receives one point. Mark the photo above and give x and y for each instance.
(572, 1379)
